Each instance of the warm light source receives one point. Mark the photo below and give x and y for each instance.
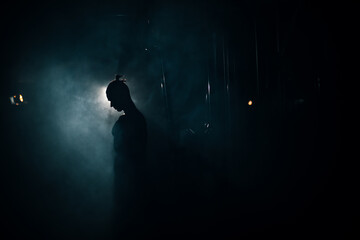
(250, 102)
(17, 99)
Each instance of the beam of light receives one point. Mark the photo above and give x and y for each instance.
(250, 102)
(101, 97)
(21, 98)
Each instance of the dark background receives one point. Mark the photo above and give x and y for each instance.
(219, 166)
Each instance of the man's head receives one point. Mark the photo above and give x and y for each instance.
(118, 94)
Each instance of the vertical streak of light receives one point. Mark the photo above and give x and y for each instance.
(208, 99)
(215, 71)
(164, 90)
(227, 147)
(226, 82)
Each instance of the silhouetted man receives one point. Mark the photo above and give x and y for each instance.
(130, 137)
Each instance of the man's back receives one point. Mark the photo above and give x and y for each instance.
(130, 138)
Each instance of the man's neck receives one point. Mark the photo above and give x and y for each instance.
(131, 109)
